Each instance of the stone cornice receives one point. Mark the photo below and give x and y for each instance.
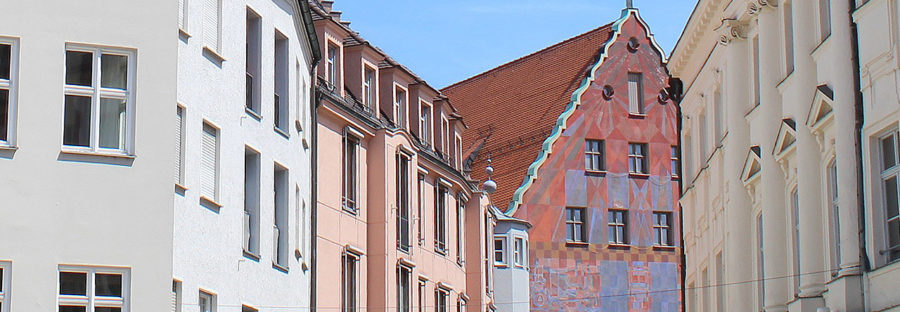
(731, 29)
(754, 7)
(693, 34)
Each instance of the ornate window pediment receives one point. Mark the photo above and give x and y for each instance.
(752, 166)
(787, 136)
(821, 110)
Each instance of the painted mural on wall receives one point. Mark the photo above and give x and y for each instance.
(595, 275)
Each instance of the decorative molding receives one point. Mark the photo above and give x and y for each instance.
(731, 29)
(757, 6)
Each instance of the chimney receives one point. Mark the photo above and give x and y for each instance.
(336, 15)
(326, 4)
(345, 23)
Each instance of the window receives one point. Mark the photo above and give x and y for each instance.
(179, 145)
(420, 189)
(422, 296)
(93, 289)
(637, 158)
(760, 265)
(176, 296)
(331, 65)
(575, 222)
(212, 24)
(99, 100)
(209, 167)
(441, 297)
(720, 280)
(688, 146)
(458, 153)
(400, 107)
(756, 86)
(403, 214)
(254, 47)
(462, 305)
(635, 94)
(445, 136)
(282, 86)
(206, 301)
(182, 14)
(5, 278)
(788, 38)
(425, 123)
(675, 161)
(719, 105)
(795, 238)
(8, 64)
(299, 72)
(403, 292)
(440, 220)
(593, 155)
(618, 227)
(349, 282)
(662, 228)
(350, 174)
(704, 140)
(835, 224)
(500, 250)
(369, 87)
(251, 201)
(519, 251)
(280, 230)
(891, 188)
(704, 274)
(301, 221)
(824, 19)
(460, 228)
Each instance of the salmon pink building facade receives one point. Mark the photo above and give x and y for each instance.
(584, 137)
(399, 227)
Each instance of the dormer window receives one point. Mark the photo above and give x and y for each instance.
(331, 65)
(400, 107)
(445, 136)
(368, 86)
(425, 123)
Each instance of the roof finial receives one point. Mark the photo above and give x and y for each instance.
(629, 4)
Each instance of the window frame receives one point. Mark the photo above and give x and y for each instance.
(401, 305)
(350, 302)
(613, 222)
(369, 88)
(281, 74)
(597, 155)
(90, 300)
(332, 64)
(825, 22)
(580, 225)
(787, 14)
(519, 251)
(426, 123)
(401, 107)
(96, 92)
(831, 184)
(636, 109)
(421, 288)
(217, 174)
(892, 172)
(350, 165)
(5, 284)
(659, 228)
(675, 161)
(182, 137)
(442, 193)
(643, 157)
(253, 63)
(461, 201)
(216, 46)
(504, 260)
(210, 296)
(441, 299)
(403, 201)
(11, 85)
(281, 195)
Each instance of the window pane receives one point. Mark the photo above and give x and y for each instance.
(5, 50)
(4, 114)
(890, 194)
(78, 68)
(72, 283)
(112, 123)
(71, 309)
(113, 71)
(887, 152)
(894, 233)
(77, 128)
(109, 285)
(104, 309)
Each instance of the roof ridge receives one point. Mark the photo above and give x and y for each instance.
(527, 56)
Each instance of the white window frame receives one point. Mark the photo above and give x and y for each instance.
(215, 47)
(458, 151)
(217, 165)
(180, 113)
(351, 136)
(636, 100)
(675, 160)
(441, 294)
(834, 214)
(350, 296)
(614, 223)
(787, 25)
(659, 226)
(425, 123)
(460, 228)
(332, 63)
(90, 300)
(885, 174)
(445, 135)
(12, 86)
(210, 297)
(96, 92)
(5, 284)
(183, 18)
(502, 252)
(581, 223)
(401, 107)
(591, 155)
(825, 23)
(519, 251)
(300, 121)
(642, 158)
(369, 88)
(794, 204)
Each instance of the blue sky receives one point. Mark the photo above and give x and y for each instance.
(446, 41)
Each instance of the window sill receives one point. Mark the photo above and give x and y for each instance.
(299, 125)
(637, 116)
(206, 201)
(253, 114)
(180, 189)
(279, 267)
(596, 173)
(354, 212)
(96, 154)
(250, 255)
(576, 244)
(441, 252)
(663, 248)
(12, 148)
(675, 178)
(618, 246)
(281, 132)
(213, 54)
(184, 33)
(638, 175)
(500, 265)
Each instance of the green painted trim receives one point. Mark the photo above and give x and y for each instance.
(547, 146)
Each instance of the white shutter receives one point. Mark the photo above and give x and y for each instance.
(246, 230)
(179, 151)
(633, 95)
(174, 301)
(181, 14)
(208, 171)
(211, 24)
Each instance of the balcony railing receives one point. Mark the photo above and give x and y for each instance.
(403, 225)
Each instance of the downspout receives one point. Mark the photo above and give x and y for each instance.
(675, 93)
(858, 109)
(314, 177)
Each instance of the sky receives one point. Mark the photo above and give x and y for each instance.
(445, 41)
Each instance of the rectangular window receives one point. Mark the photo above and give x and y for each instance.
(403, 214)
(331, 66)
(593, 155)
(662, 228)
(500, 250)
(8, 70)
(400, 107)
(675, 161)
(176, 296)
(5, 278)
(209, 163)
(206, 301)
(891, 191)
(760, 265)
(182, 14)
(441, 297)
(795, 237)
(93, 289)
(404, 274)
(688, 146)
(179, 145)
(788, 37)
(704, 140)
(350, 174)
(835, 217)
(349, 283)
(756, 85)
(440, 220)
(462, 305)
(635, 93)
(369, 87)
(98, 100)
(251, 201)
(420, 190)
(422, 296)
(720, 280)
(301, 221)
(824, 19)
(460, 229)
(618, 227)
(719, 104)
(282, 84)
(254, 61)
(212, 24)
(459, 153)
(299, 73)
(425, 123)
(280, 230)
(445, 137)
(704, 274)
(519, 251)
(575, 225)
(637, 158)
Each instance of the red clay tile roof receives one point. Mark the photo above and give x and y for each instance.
(512, 108)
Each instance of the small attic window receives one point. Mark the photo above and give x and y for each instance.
(633, 44)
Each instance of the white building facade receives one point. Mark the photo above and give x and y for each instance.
(789, 206)
(96, 218)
